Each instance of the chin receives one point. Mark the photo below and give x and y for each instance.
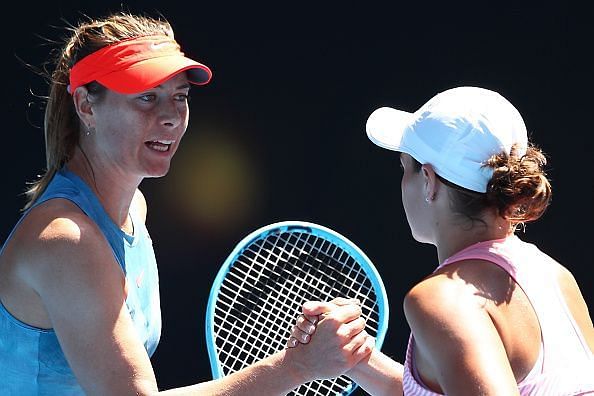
(425, 241)
(157, 172)
(157, 175)
(420, 238)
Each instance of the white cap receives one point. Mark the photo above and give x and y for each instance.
(456, 132)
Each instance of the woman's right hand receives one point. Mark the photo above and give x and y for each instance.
(305, 325)
(329, 339)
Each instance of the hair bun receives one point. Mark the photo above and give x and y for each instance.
(519, 188)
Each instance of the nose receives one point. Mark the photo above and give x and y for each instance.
(172, 113)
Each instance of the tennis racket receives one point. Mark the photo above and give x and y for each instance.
(260, 288)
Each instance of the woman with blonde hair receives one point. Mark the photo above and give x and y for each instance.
(79, 296)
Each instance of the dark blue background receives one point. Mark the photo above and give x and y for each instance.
(279, 133)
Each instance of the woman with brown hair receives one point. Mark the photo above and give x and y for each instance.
(497, 316)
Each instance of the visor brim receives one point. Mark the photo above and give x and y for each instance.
(152, 72)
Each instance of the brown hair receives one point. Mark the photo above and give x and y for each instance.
(518, 190)
(62, 126)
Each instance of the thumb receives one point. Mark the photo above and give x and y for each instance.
(317, 307)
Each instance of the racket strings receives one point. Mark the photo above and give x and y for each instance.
(273, 310)
(264, 290)
(242, 350)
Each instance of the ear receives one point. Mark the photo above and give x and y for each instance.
(430, 181)
(83, 106)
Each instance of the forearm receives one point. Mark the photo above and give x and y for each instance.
(274, 375)
(378, 375)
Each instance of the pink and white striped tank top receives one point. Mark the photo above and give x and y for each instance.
(566, 364)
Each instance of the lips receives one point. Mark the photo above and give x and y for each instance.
(159, 145)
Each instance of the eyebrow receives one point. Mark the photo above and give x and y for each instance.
(183, 86)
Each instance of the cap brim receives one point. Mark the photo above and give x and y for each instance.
(386, 126)
(152, 72)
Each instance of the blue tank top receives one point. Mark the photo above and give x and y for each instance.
(31, 359)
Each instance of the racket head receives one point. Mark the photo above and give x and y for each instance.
(283, 253)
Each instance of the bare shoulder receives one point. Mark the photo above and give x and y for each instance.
(57, 242)
(60, 220)
(457, 301)
(462, 284)
(430, 295)
(438, 301)
(458, 349)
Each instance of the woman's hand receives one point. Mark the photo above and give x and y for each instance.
(305, 325)
(330, 337)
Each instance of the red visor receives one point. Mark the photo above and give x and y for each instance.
(135, 65)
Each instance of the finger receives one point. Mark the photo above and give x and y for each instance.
(351, 328)
(345, 313)
(356, 342)
(313, 319)
(305, 324)
(300, 335)
(345, 301)
(292, 342)
(365, 349)
(315, 308)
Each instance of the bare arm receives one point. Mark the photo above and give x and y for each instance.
(84, 296)
(455, 335)
(274, 375)
(377, 374)
(331, 353)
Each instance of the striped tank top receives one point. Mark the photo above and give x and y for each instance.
(565, 366)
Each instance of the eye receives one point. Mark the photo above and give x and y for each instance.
(147, 97)
(182, 97)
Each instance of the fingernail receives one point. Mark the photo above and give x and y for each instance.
(310, 329)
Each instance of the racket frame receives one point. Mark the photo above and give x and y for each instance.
(318, 231)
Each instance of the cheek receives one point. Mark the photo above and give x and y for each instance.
(126, 129)
(184, 114)
(411, 198)
(406, 188)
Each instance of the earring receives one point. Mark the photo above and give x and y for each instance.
(90, 130)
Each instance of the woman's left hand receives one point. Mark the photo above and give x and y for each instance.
(305, 325)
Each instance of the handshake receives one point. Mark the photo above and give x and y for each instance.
(329, 338)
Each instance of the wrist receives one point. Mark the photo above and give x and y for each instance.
(294, 371)
(361, 367)
(299, 371)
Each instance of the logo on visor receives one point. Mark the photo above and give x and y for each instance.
(160, 46)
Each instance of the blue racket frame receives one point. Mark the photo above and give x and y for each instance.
(316, 230)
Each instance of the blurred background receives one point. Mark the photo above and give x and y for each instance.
(279, 134)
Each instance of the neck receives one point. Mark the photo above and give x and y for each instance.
(114, 189)
(458, 234)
